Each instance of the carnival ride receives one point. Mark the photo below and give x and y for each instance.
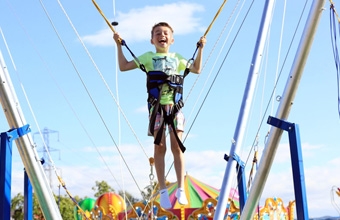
(112, 206)
(202, 206)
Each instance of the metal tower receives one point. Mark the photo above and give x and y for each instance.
(45, 133)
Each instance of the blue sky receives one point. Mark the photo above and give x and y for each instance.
(73, 85)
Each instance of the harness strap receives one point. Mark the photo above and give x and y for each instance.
(155, 80)
(168, 119)
(153, 116)
(174, 79)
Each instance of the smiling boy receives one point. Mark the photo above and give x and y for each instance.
(170, 64)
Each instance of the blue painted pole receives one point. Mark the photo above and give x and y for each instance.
(6, 168)
(5, 176)
(298, 173)
(241, 180)
(28, 198)
(297, 165)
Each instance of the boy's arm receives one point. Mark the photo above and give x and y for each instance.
(124, 64)
(197, 64)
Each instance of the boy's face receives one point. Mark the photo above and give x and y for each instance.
(162, 38)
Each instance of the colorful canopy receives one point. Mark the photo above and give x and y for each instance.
(196, 192)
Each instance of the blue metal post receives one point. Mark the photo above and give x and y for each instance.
(28, 198)
(297, 165)
(6, 168)
(5, 176)
(241, 180)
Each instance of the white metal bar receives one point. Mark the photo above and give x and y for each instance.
(284, 108)
(244, 109)
(26, 146)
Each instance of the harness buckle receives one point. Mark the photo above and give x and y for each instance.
(176, 79)
(179, 105)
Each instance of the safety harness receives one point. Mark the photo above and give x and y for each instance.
(155, 82)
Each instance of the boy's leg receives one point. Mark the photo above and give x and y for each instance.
(179, 167)
(178, 158)
(159, 155)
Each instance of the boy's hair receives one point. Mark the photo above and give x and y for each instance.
(163, 24)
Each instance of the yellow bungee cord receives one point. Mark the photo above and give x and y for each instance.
(113, 30)
(216, 15)
(101, 12)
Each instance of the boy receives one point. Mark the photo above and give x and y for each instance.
(171, 64)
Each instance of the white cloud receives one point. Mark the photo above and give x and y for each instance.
(135, 25)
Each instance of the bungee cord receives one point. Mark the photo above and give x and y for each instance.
(103, 79)
(212, 69)
(62, 183)
(272, 94)
(255, 142)
(214, 19)
(209, 56)
(121, 156)
(191, 60)
(151, 176)
(103, 15)
(102, 119)
(119, 115)
(210, 72)
(217, 74)
(333, 29)
(84, 214)
(220, 68)
(51, 162)
(119, 107)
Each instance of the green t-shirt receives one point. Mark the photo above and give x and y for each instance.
(169, 63)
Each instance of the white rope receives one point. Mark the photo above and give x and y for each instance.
(279, 50)
(49, 72)
(102, 77)
(118, 116)
(209, 56)
(29, 104)
(80, 77)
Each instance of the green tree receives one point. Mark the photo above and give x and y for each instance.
(102, 187)
(66, 206)
(17, 207)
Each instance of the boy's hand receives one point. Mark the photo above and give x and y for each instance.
(117, 38)
(202, 42)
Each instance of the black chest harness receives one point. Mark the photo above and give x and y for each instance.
(155, 81)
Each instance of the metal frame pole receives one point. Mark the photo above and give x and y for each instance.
(244, 109)
(297, 165)
(284, 108)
